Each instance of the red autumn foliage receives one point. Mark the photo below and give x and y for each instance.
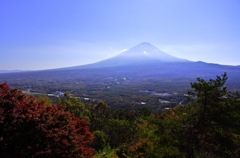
(30, 129)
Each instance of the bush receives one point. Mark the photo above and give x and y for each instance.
(30, 129)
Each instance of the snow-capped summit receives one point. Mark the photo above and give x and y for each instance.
(146, 51)
(140, 54)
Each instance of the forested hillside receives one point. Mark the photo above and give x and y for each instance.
(208, 125)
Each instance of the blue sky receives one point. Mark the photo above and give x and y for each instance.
(43, 34)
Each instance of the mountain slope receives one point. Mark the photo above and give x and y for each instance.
(142, 62)
(140, 54)
(146, 51)
(143, 53)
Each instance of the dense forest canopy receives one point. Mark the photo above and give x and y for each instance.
(208, 125)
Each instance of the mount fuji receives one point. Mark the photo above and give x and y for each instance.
(141, 62)
(141, 54)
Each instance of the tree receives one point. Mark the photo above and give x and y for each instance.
(100, 115)
(30, 129)
(120, 132)
(209, 127)
(100, 140)
(74, 105)
(44, 100)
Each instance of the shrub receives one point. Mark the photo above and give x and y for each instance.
(30, 129)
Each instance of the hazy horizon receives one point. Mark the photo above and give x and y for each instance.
(37, 35)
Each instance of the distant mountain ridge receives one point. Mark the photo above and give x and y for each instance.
(11, 71)
(141, 62)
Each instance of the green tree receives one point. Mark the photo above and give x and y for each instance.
(120, 132)
(99, 116)
(209, 129)
(74, 105)
(100, 140)
(154, 137)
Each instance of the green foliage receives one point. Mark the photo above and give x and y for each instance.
(100, 140)
(154, 139)
(100, 115)
(207, 126)
(120, 132)
(144, 112)
(210, 126)
(74, 105)
(107, 152)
